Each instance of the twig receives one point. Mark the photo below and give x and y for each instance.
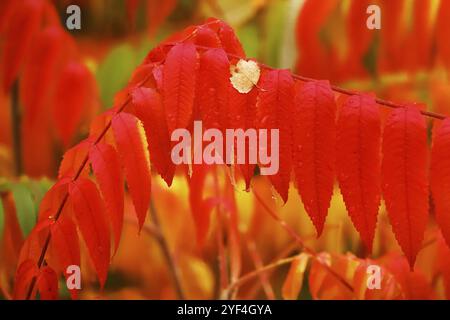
(257, 262)
(173, 267)
(257, 272)
(282, 255)
(300, 241)
(15, 127)
(222, 257)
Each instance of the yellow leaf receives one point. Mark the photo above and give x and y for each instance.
(294, 279)
(244, 75)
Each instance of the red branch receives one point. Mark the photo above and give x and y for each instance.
(335, 88)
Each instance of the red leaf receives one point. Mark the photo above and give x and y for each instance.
(275, 111)
(390, 288)
(32, 247)
(200, 209)
(52, 200)
(65, 244)
(40, 70)
(7, 8)
(131, 7)
(414, 285)
(359, 39)
(392, 35)
(47, 284)
(157, 54)
(106, 167)
(90, 214)
(73, 159)
(97, 128)
(132, 147)
(404, 174)
(72, 95)
(158, 76)
(148, 106)
(358, 163)
(421, 37)
(206, 37)
(212, 90)
(24, 21)
(310, 21)
(241, 115)
(37, 140)
(157, 13)
(141, 76)
(25, 273)
(440, 177)
(335, 284)
(314, 148)
(229, 40)
(179, 77)
(442, 31)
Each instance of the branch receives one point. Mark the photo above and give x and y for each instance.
(66, 196)
(335, 88)
(259, 271)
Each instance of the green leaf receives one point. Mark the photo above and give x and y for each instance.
(274, 28)
(279, 25)
(38, 189)
(25, 207)
(145, 47)
(250, 39)
(371, 57)
(114, 72)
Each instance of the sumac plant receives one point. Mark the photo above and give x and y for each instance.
(326, 134)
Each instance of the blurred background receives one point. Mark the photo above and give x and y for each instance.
(407, 60)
